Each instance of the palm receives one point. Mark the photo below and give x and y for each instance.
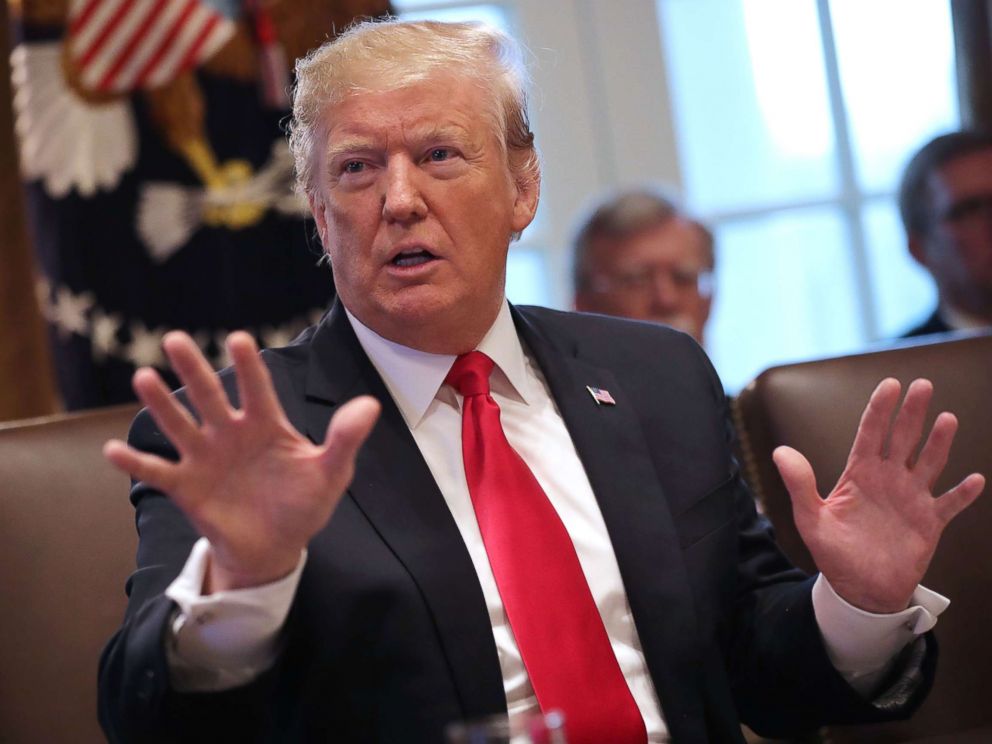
(256, 483)
(246, 479)
(874, 535)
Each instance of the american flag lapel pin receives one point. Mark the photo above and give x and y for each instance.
(601, 396)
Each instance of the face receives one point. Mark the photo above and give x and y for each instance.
(659, 274)
(416, 205)
(958, 248)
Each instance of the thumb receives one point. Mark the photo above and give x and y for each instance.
(348, 430)
(797, 474)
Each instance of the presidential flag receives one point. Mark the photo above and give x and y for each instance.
(159, 183)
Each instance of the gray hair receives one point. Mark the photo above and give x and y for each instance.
(389, 54)
(914, 189)
(620, 216)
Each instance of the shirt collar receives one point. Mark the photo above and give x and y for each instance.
(414, 377)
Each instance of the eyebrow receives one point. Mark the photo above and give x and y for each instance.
(358, 144)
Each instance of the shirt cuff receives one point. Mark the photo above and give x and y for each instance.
(226, 639)
(862, 645)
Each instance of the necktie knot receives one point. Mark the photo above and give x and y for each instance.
(469, 375)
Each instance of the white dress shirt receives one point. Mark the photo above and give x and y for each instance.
(226, 639)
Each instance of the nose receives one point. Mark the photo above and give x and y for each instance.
(403, 200)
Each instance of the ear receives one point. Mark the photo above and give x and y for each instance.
(317, 207)
(525, 204)
(707, 307)
(918, 249)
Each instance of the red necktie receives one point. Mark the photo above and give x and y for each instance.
(551, 611)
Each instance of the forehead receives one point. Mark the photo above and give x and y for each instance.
(673, 241)
(965, 176)
(441, 101)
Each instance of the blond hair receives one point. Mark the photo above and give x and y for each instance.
(390, 54)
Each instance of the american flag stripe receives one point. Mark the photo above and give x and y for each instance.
(110, 50)
(80, 16)
(105, 30)
(127, 78)
(188, 46)
(119, 45)
(134, 45)
(142, 78)
(207, 39)
(87, 26)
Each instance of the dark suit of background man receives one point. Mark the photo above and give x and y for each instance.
(945, 200)
(332, 584)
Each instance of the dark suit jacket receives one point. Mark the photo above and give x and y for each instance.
(934, 324)
(389, 638)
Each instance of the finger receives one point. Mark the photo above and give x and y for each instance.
(908, 425)
(348, 430)
(254, 381)
(933, 457)
(870, 437)
(151, 469)
(171, 416)
(202, 386)
(800, 482)
(960, 497)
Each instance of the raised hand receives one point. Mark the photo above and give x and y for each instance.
(246, 479)
(874, 535)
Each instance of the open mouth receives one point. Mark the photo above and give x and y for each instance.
(412, 258)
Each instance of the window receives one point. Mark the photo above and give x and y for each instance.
(793, 120)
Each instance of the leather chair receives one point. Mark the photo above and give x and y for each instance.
(815, 407)
(67, 545)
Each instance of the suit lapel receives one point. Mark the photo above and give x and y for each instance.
(615, 454)
(394, 489)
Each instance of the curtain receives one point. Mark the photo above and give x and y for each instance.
(973, 51)
(26, 383)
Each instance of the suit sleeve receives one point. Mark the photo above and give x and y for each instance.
(135, 699)
(781, 676)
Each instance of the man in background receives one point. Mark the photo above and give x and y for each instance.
(945, 200)
(637, 256)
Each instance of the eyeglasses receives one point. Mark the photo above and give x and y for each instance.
(645, 279)
(967, 209)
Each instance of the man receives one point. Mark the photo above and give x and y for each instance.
(945, 200)
(636, 256)
(542, 517)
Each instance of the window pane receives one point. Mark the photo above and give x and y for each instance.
(897, 72)
(527, 281)
(494, 15)
(749, 94)
(902, 291)
(784, 292)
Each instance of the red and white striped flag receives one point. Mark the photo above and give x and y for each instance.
(601, 396)
(121, 45)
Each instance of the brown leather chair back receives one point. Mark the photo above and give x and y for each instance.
(67, 545)
(815, 407)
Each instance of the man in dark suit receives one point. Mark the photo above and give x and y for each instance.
(311, 570)
(945, 200)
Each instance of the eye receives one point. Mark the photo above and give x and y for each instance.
(440, 154)
(353, 166)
